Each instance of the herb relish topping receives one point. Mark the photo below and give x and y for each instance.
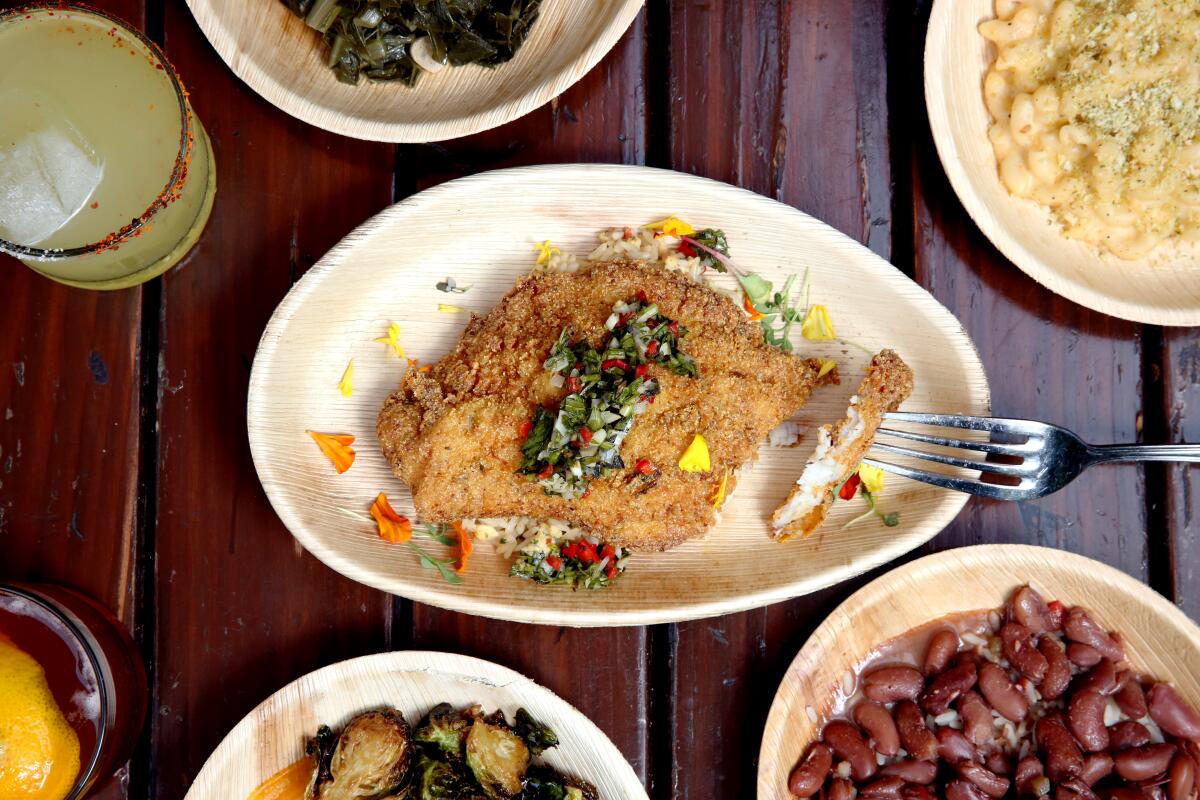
(606, 390)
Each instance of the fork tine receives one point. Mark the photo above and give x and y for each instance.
(1014, 450)
(1022, 427)
(970, 486)
(1028, 468)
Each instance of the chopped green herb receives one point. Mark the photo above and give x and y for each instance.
(581, 564)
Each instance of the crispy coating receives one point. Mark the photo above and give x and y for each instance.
(452, 434)
(888, 383)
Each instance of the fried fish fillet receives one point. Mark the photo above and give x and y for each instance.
(453, 434)
(841, 448)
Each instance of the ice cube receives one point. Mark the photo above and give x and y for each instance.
(48, 173)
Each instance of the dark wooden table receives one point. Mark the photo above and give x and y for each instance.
(123, 452)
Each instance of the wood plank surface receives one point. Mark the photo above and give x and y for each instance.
(1178, 527)
(241, 609)
(605, 673)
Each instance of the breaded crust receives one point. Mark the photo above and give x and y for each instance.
(841, 447)
(452, 434)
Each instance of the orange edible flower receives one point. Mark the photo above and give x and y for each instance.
(465, 546)
(750, 309)
(392, 527)
(336, 447)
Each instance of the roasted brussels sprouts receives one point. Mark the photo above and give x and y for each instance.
(371, 758)
(546, 783)
(537, 736)
(498, 759)
(445, 729)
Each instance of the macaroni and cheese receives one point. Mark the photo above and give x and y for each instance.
(1096, 114)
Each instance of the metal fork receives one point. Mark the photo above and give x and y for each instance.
(1051, 457)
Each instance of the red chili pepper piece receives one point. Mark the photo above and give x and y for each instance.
(611, 571)
(570, 550)
(623, 320)
(608, 551)
(652, 348)
(850, 487)
(555, 562)
(641, 296)
(585, 433)
(628, 233)
(686, 250)
(673, 327)
(643, 466)
(546, 473)
(587, 552)
(574, 384)
(526, 427)
(615, 362)
(641, 370)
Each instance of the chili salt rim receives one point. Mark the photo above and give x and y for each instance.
(183, 158)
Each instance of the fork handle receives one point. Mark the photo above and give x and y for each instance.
(1145, 452)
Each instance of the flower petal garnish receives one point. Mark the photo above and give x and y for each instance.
(346, 384)
(718, 495)
(465, 547)
(872, 478)
(392, 340)
(545, 252)
(393, 528)
(446, 308)
(336, 447)
(817, 327)
(673, 226)
(754, 313)
(696, 458)
(827, 366)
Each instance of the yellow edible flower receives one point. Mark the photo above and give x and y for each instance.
(545, 250)
(827, 366)
(346, 384)
(392, 340)
(718, 496)
(446, 308)
(673, 226)
(696, 457)
(872, 478)
(817, 327)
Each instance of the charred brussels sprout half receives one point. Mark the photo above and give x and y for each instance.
(537, 736)
(498, 759)
(371, 758)
(437, 779)
(544, 783)
(445, 729)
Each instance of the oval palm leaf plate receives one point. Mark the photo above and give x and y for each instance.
(284, 60)
(274, 734)
(482, 232)
(1161, 641)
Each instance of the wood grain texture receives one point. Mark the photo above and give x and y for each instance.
(283, 60)
(69, 427)
(1160, 288)
(274, 734)
(240, 610)
(799, 114)
(1159, 639)
(602, 118)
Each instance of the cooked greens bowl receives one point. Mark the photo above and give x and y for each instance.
(411, 70)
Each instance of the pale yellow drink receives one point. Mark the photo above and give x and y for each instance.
(106, 175)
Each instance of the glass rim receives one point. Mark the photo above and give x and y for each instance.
(182, 158)
(86, 771)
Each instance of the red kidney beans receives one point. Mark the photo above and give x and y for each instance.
(1016, 642)
(912, 771)
(943, 646)
(1029, 608)
(1131, 698)
(953, 746)
(915, 735)
(1083, 656)
(916, 792)
(1181, 777)
(948, 687)
(1028, 768)
(1102, 678)
(840, 789)
(963, 790)
(984, 779)
(809, 775)
(1079, 626)
(889, 684)
(1001, 693)
(887, 787)
(1096, 767)
(849, 745)
(1058, 747)
(996, 762)
(1058, 670)
(1127, 734)
(879, 726)
(1085, 716)
(1122, 793)
(1143, 763)
(976, 718)
(1172, 713)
